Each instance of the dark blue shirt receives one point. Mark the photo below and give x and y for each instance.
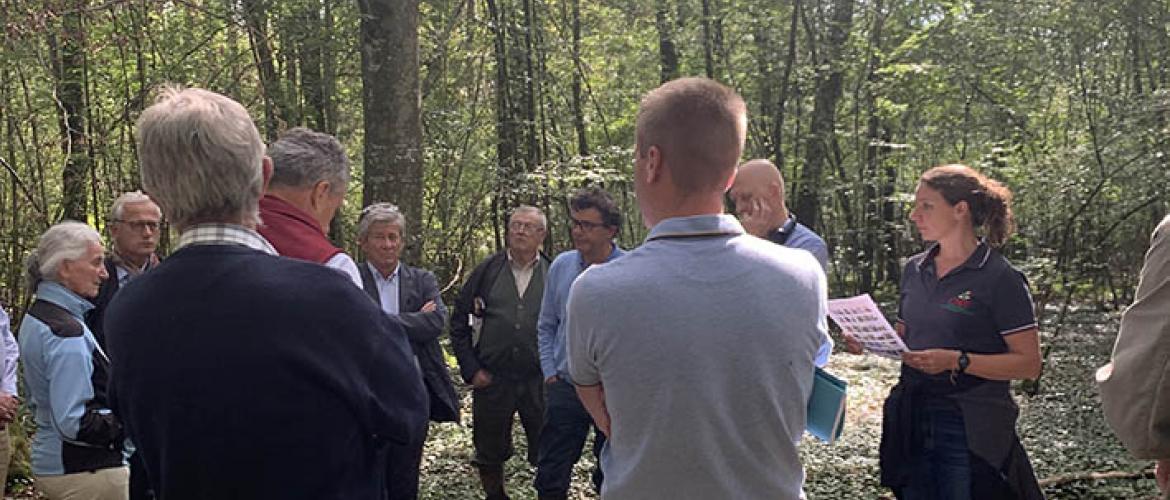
(971, 308)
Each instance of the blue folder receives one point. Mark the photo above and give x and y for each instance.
(826, 406)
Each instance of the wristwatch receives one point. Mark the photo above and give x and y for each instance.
(964, 361)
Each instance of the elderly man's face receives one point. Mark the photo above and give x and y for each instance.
(135, 235)
(525, 232)
(383, 245)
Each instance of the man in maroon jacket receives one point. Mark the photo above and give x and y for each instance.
(309, 175)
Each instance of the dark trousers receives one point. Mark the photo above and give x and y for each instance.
(492, 412)
(566, 426)
(942, 468)
(139, 484)
(402, 470)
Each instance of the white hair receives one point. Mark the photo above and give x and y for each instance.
(200, 156)
(68, 240)
(127, 198)
(378, 213)
(301, 158)
(529, 209)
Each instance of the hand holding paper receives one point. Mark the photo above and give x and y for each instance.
(861, 320)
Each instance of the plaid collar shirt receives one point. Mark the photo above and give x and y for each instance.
(224, 234)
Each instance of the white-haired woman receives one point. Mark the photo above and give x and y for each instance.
(77, 451)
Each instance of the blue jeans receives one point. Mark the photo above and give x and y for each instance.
(942, 468)
(562, 438)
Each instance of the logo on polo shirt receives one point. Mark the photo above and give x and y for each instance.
(960, 303)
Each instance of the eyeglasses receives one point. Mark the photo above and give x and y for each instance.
(140, 225)
(525, 226)
(585, 224)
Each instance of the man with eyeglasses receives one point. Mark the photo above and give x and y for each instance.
(134, 230)
(596, 220)
(493, 334)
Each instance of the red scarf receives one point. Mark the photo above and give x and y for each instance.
(293, 232)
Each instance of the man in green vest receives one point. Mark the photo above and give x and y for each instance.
(493, 333)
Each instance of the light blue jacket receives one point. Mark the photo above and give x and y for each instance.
(58, 373)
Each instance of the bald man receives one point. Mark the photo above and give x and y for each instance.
(758, 193)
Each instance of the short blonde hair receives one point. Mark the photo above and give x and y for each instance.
(200, 156)
(699, 126)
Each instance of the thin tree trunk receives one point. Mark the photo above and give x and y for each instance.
(309, 49)
(824, 119)
(875, 149)
(708, 42)
(578, 111)
(667, 51)
(70, 82)
(785, 84)
(256, 19)
(329, 69)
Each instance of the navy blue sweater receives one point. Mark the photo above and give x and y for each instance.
(242, 375)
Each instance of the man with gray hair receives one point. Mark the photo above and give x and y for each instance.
(410, 294)
(134, 225)
(493, 334)
(237, 372)
(309, 175)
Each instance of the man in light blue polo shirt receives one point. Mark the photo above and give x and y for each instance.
(596, 221)
(694, 352)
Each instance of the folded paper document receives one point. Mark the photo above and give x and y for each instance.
(826, 406)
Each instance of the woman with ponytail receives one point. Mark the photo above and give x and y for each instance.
(967, 317)
(77, 451)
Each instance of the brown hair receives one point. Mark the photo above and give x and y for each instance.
(990, 201)
(699, 126)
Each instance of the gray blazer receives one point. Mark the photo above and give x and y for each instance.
(416, 287)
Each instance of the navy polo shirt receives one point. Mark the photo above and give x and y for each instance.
(971, 308)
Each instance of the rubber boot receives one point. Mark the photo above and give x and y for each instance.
(492, 478)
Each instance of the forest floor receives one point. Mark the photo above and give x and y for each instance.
(1062, 428)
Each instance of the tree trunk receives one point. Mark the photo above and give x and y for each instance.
(830, 76)
(578, 111)
(256, 19)
(875, 149)
(708, 40)
(667, 51)
(777, 140)
(329, 69)
(391, 101)
(70, 72)
(309, 49)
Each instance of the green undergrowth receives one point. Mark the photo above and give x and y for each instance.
(1061, 427)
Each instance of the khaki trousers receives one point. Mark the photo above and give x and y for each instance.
(102, 484)
(5, 457)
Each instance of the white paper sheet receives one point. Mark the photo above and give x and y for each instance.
(860, 318)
